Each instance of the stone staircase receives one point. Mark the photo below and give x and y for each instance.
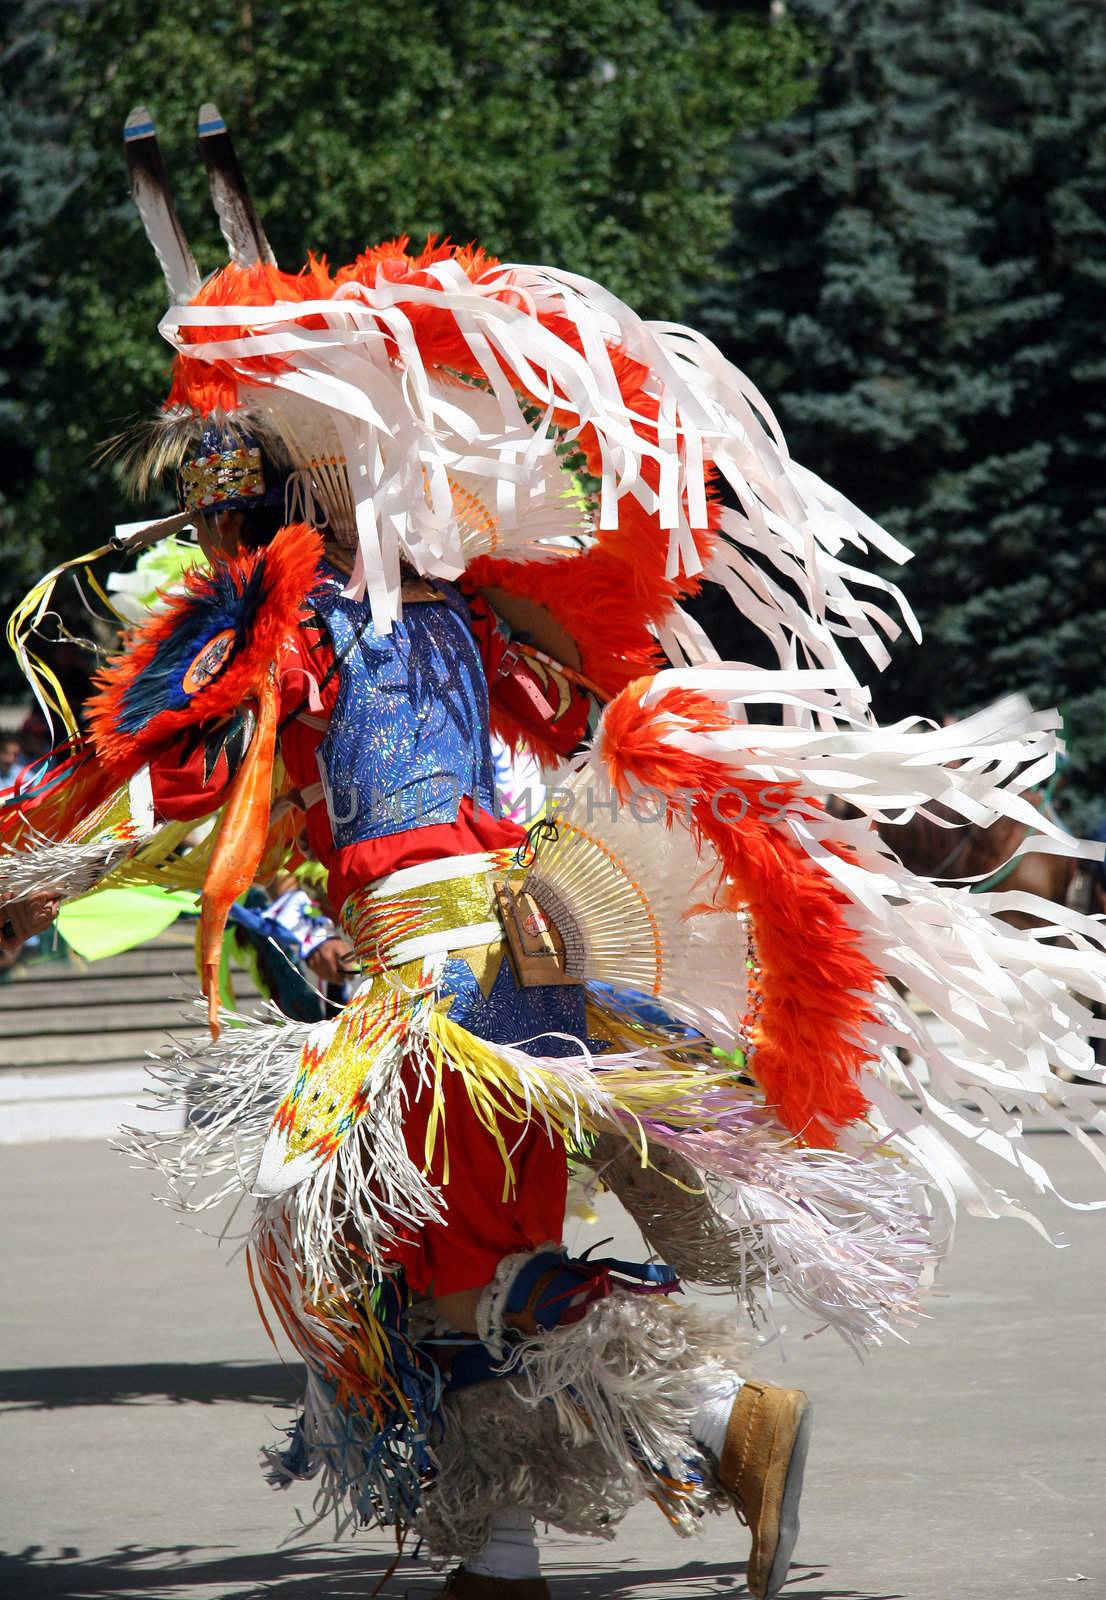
(75, 1037)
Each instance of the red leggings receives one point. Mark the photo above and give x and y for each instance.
(482, 1224)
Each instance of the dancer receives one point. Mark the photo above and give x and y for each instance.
(681, 974)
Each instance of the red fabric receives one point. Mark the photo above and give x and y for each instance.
(481, 1226)
(357, 864)
(181, 793)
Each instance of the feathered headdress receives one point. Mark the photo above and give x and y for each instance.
(441, 410)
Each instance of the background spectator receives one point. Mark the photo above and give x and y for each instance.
(12, 759)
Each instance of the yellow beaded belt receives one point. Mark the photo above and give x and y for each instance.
(432, 909)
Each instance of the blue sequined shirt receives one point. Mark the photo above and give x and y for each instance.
(409, 738)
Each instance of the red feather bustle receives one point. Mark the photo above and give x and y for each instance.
(815, 983)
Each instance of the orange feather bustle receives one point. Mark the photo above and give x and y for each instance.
(206, 386)
(815, 982)
(442, 343)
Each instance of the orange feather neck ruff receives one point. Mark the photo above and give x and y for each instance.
(213, 650)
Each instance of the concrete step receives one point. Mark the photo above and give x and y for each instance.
(131, 1045)
(172, 957)
(75, 1038)
(74, 1102)
(114, 1017)
(82, 989)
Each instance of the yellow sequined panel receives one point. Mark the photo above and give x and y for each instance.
(377, 924)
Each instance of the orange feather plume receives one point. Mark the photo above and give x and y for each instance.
(205, 386)
(240, 843)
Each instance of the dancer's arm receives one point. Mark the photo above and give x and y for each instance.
(532, 685)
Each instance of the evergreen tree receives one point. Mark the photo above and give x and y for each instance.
(38, 178)
(595, 134)
(918, 263)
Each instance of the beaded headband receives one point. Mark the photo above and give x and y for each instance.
(227, 478)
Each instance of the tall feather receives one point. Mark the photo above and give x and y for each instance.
(150, 188)
(238, 219)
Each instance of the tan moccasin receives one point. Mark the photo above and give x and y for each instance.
(762, 1467)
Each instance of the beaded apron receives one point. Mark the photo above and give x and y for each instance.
(432, 950)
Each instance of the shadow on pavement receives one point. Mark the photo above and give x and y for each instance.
(182, 1572)
(694, 1580)
(188, 1572)
(798, 1586)
(177, 1382)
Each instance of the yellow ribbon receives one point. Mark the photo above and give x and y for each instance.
(25, 620)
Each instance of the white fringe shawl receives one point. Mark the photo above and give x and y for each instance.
(98, 843)
(66, 870)
(404, 436)
(844, 1237)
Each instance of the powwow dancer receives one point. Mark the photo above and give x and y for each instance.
(426, 575)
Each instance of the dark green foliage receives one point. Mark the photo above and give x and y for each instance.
(39, 177)
(920, 263)
(595, 133)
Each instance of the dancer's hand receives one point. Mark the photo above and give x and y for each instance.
(22, 919)
(328, 960)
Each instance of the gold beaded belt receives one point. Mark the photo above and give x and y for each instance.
(452, 904)
(432, 909)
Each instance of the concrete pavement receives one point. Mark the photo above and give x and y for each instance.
(137, 1384)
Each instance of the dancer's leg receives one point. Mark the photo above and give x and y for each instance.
(712, 1419)
(512, 1547)
(751, 1437)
